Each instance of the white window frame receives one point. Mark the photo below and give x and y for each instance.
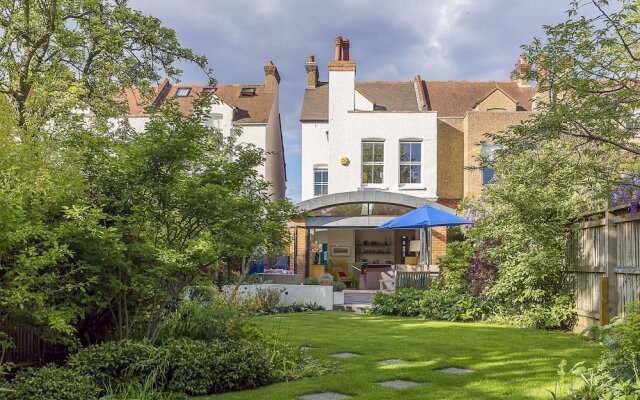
(183, 92)
(321, 184)
(373, 163)
(487, 151)
(409, 163)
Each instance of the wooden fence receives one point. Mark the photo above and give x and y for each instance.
(603, 264)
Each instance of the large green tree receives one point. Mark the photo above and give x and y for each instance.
(62, 55)
(586, 70)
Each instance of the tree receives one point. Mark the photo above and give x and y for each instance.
(57, 56)
(586, 70)
(524, 215)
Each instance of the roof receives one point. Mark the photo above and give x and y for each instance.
(247, 110)
(454, 99)
(448, 98)
(390, 96)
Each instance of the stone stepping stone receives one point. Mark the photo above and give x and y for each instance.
(305, 348)
(456, 371)
(325, 396)
(279, 317)
(398, 384)
(345, 355)
(393, 361)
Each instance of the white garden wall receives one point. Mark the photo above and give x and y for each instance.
(321, 295)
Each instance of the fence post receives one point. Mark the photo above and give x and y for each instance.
(611, 243)
(604, 301)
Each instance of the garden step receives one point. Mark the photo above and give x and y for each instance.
(354, 308)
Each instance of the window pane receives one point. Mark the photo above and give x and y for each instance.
(405, 152)
(367, 152)
(378, 152)
(405, 174)
(377, 174)
(317, 176)
(366, 173)
(317, 190)
(415, 174)
(487, 175)
(415, 152)
(324, 176)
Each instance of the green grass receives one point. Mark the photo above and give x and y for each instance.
(510, 363)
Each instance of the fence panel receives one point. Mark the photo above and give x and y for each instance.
(414, 280)
(628, 283)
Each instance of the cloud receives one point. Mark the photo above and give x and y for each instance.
(391, 40)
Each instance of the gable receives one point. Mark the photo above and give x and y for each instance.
(496, 100)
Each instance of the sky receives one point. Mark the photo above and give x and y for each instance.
(390, 41)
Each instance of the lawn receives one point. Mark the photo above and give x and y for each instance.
(508, 362)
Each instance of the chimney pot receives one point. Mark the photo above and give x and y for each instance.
(338, 53)
(345, 49)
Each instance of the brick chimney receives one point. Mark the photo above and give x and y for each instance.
(341, 61)
(312, 72)
(522, 67)
(271, 77)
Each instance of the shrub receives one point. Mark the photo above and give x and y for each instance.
(113, 364)
(292, 308)
(325, 279)
(199, 367)
(438, 304)
(482, 272)
(617, 375)
(211, 317)
(456, 265)
(338, 286)
(51, 383)
(312, 280)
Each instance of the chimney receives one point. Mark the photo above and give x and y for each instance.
(342, 62)
(312, 72)
(271, 77)
(338, 52)
(522, 67)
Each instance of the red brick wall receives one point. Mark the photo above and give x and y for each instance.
(451, 203)
(439, 243)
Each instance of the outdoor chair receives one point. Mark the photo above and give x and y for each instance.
(340, 271)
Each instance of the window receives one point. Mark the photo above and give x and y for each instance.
(320, 181)
(487, 172)
(410, 162)
(496, 109)
(247, 92)
(183, 92)
(372, 162)
(216, 119)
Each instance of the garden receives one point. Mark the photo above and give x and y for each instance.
(120, 250)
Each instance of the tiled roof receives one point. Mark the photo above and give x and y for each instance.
(448, 98)
(248, 110)
(390, 96)
(454, 99)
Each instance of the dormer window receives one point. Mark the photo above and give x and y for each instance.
(183, 92)
(247, 92)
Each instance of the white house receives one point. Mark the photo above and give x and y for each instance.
(374, 150)
(253, 107)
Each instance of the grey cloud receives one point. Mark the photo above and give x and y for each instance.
(391, 40)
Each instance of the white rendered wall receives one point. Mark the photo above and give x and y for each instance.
(321, 295)
(315, 152)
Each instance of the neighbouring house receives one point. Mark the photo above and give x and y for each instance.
(374, 150)
(255, 108)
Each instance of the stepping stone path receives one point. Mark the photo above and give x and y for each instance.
(456, 371)
(345, 355)
(393, 361)
(305, 348)
(325, 396)
(279, 317)
(397, 384)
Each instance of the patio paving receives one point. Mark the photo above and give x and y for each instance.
(393, 361)
(345, 355)
(456, 371)
(398, 384)
(325, 396)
